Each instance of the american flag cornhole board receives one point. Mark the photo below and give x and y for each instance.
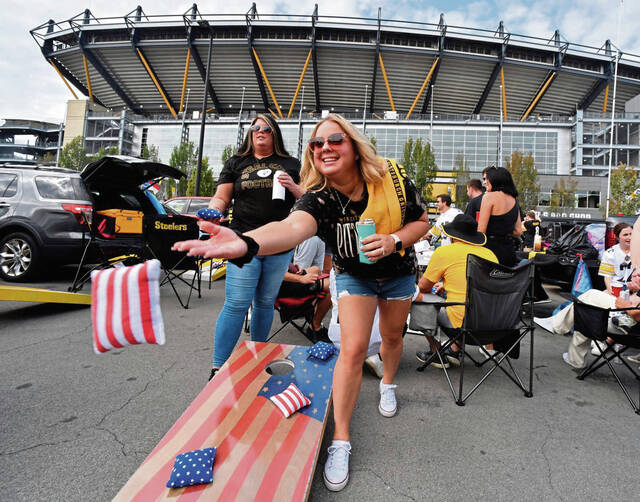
(261, 455)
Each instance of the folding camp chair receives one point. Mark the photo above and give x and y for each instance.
(592, 322)
(493, 315)
(160, 234)
(295, 308)
(106, 248)
(119, 201)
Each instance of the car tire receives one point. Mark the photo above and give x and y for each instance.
(19, 257)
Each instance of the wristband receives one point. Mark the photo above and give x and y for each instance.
(252, 250)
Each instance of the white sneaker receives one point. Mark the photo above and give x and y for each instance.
(336, 469)
(594, 348)
(489, 351)
(374, 363)
(388, 405)
(634, 358)
(545, 323)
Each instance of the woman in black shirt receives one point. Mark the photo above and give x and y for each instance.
(247, 179)
(347, 181)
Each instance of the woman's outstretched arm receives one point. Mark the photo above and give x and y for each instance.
(271, 238)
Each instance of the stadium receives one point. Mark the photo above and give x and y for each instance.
(474, 94)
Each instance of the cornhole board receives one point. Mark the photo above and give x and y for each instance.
(39, 295)
(261, 455)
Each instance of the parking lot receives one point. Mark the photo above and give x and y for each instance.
(76, 425)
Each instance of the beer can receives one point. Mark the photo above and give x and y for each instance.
(365, 227)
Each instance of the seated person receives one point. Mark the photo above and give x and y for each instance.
(529, 225)
(615, 267)
(618, 322)
(373, 361)
(302, 280)
(449, 265)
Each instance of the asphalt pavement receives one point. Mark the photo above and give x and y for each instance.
(75, 425)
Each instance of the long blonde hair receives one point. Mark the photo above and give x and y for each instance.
(371, 166)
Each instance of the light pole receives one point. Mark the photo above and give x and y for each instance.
(433, 92)
(613, 112)
(203, 113)
(500, 130)
(183, 136)
(364, 110)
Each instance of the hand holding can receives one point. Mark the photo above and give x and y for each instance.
(365, 228)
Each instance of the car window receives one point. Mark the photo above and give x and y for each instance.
(55, 187)
(8, 185)
(177, 205)
(81, 192)
(198, 204)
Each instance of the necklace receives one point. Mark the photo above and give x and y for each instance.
(344, 208)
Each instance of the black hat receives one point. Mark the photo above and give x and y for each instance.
(464, 228)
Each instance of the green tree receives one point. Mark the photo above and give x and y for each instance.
(563, 193)
(525, 176)
(73, 155)
(623, 197)
(420, 163)
(227, 153)
(103, 152)
(183, 157)
(150, 152)
(461, 172)
(207, 184)
(373, 141)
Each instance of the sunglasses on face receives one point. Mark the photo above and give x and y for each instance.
(334, 140)
(256, 128)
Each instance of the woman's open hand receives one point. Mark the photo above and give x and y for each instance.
(223, 243)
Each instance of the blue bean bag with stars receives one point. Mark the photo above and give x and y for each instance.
(321, 350)
(192, 468)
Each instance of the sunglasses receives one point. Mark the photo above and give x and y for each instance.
(334, 139)
(256, 128)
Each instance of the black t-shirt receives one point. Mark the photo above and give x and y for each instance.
(473, 207)
(252, 180)
(339, 231)
(530, 232)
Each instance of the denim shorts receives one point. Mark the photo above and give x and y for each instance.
(395, 288)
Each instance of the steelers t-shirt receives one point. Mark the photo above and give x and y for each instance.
(252, 180)
(337, 216)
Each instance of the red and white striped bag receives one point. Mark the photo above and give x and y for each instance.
(290, 400)
(125, 306)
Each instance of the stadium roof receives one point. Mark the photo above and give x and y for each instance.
(146, 63)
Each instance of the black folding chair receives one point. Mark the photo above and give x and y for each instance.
(592, 322)
(105, 248)
(493, 315)
(296, 308)
(160, 233)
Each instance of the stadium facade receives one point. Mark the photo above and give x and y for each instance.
(474, 94)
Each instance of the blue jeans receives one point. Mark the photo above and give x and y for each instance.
(256, 282)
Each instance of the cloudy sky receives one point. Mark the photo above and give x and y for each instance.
(30, 88)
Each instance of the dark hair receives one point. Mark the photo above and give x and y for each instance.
(475, 185)
(501, 181)
(619, 228)
(445, 197)
(486, 169)
(246, 148)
